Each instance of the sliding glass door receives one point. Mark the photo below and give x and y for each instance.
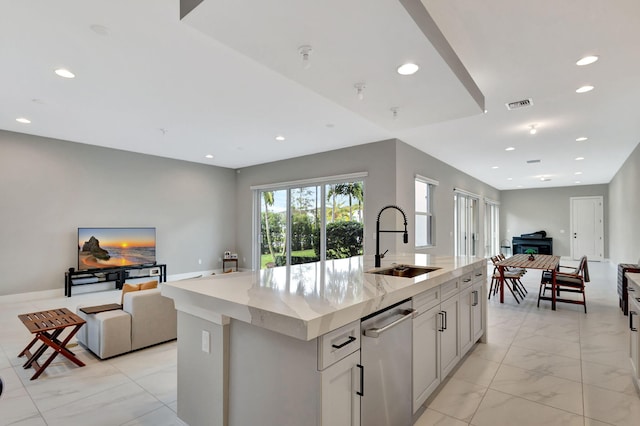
(491, 228)
(466, 224)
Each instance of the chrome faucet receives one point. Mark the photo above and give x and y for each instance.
(378, 231)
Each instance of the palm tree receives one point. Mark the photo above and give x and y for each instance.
(351, 190)
(268, 201)
(331, 195)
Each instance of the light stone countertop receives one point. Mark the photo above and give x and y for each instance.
(309, 300)
(633, 276)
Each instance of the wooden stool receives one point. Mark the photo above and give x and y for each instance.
(47, 327)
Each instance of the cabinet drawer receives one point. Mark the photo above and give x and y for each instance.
(337, 344)
(448, 289)
(426, 300)
(466, 280)
(479, 275)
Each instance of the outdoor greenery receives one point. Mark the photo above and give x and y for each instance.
(343, 216)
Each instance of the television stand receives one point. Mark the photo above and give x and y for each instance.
(118, 276)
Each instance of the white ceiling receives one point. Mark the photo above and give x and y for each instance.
(228, 78)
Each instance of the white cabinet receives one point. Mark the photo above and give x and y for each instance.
(634, 330)
(426, 368)
(466, 319)
(478, 316)
(436, 345)
(341, 376)
(448, 320)
(449, 335)
(341, 383)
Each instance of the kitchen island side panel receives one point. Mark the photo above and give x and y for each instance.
(274, 379)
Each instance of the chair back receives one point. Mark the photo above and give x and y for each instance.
(583, 269)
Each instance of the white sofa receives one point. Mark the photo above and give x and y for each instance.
(146, 318)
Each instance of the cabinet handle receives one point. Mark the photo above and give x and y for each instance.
(479, 274)
(445, 321)
(361, 393)
(342, 345)
(466, 280)
(441, 313)
(631, 314)
(376, 332)
(475, 298)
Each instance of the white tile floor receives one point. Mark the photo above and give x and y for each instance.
(539, 367)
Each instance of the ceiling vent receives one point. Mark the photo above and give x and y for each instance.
(532, 161)
(519, 104)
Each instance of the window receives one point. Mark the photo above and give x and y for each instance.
(491, 228)
(465, 223)
(307, 221)
(425, 226)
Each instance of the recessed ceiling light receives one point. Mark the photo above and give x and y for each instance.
(209, 156)
(532, 129)
(581, 139)
(587, 60)
(584, 89)
(509, 178)
(494, 167)
(23, 120)
(509, 148)
(577, 181)
(579, 158)
(62, 72)
(577, 173)
(519, 186)
(408, 69)
(280, 138)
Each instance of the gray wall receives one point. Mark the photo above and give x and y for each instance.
(530, 210)
(391, 166)
(49, 188)
(412, 161)
(624, 212)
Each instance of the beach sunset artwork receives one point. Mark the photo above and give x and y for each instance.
(115, 247)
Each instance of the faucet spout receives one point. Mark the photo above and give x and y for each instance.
(405, 236)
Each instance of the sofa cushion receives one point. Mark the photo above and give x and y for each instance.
(126, 288)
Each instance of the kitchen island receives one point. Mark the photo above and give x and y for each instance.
(272, 347)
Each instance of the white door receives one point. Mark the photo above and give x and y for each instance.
(587, 228)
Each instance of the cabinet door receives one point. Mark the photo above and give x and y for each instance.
(466, 320)
(340, 402)
(449, 339)
(634, 339)
(426, 369)
(477, 316)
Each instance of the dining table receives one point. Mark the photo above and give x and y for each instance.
(545, 262)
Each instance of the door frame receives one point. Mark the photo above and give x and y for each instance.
(599, 227)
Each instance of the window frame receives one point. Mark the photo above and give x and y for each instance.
(429, 214)
(321, 183)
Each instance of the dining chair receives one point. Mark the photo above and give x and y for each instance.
(571, 282)
(510, 281)
(515, 274)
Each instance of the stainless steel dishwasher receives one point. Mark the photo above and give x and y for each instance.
(386, 362)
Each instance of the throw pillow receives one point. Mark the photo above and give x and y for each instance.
(149, 285)
(126, 288)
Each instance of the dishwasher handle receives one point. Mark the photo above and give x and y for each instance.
(376, 332)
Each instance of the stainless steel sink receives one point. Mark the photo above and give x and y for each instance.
(405, 271)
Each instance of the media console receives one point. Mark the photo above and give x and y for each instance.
(116, 275)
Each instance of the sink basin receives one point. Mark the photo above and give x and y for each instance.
(405, 271)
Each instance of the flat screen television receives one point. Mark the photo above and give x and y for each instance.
(100, 248)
